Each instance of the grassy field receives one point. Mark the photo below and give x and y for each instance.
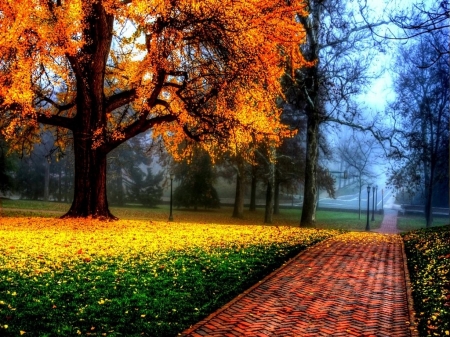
(287, 217)
(414, 222)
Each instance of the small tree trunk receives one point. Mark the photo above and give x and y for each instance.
(359, 203)
(253, 191)
(359, 197)
(119, 186)
(60, 184)
(238, 211)
(269, 204)
(66, 185)
(46, 180)
(276, 198)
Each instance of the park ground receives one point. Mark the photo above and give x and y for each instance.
(143, 275)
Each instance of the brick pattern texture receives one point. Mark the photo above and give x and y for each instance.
(351, 285)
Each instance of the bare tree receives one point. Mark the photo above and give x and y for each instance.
(357, 153)
(340, 49)
(424, 18)
(420, 136)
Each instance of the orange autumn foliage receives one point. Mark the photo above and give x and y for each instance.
(212, 66)
(102, 71)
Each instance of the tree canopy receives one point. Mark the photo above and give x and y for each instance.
(103, 71)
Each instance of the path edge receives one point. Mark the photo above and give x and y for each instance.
(409, 298)
(247, 291)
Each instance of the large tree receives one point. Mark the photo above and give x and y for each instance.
(107, 70)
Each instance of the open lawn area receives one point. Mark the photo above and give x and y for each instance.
(141, 277)
(287, 217)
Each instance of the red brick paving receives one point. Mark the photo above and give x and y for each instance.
(351, 285)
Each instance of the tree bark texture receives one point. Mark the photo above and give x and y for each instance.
(90, 122)
(310, 89)
(238, 210)
(310, 190)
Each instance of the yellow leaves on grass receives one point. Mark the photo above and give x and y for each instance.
(34, 246)
(368, 238)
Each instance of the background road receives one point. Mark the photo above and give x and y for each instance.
(350, 201)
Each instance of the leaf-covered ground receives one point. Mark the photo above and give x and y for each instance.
(428, 254)
(130, 277)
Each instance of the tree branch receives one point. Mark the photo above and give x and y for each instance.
(63, 122)
(120, 99)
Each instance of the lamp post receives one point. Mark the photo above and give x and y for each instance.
(376, 198)
(373, 203)
(382, 201)
(368, 197)
(171, 181)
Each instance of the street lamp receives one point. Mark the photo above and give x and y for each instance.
(376, 198)
(171, 181)
(373, 203)
(368, 197)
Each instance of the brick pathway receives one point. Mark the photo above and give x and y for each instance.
(351, 285)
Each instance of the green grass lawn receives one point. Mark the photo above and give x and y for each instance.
(132, 277)
(428, 255)
(413, 222)
(287, 217)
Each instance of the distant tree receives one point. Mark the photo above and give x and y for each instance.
(7, 165)
(358, 155)
(143, 188)
(289, 167)
(424, 18)
(196, 177)
(420, 137)
(151, 191)
(123, 165)
(30, 177)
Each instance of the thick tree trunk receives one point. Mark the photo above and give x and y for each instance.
(310, 193)
(90, 182)
(238, 210)
(89, 129)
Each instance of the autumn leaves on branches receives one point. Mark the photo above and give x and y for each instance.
(108, 70)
